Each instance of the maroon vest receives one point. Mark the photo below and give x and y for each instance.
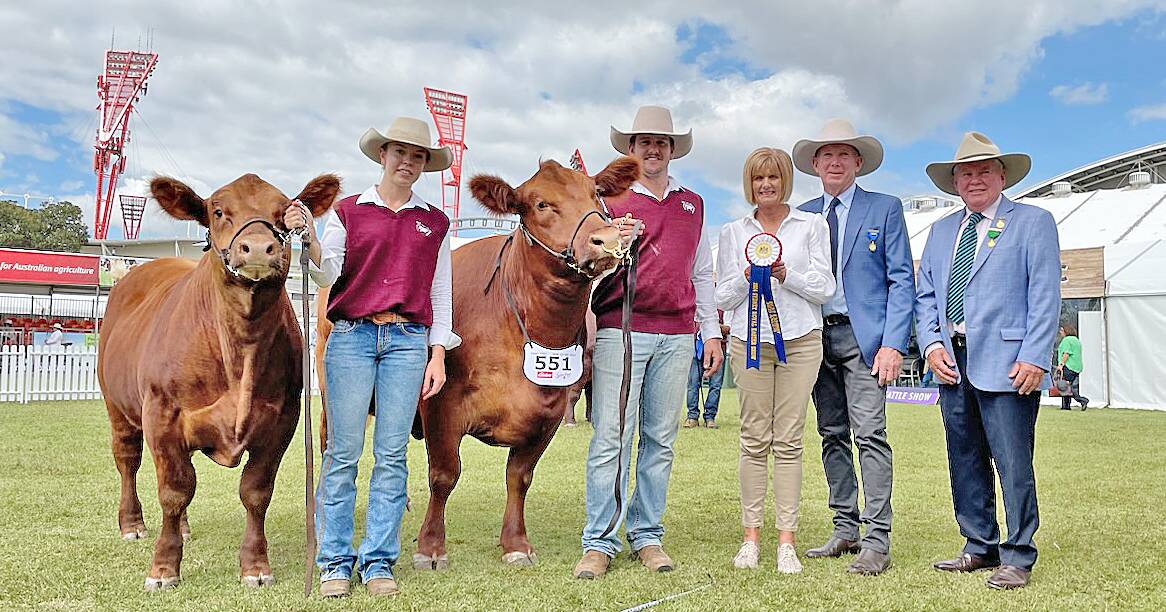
(389, 261)
(665, 298)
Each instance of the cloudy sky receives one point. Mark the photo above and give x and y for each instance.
(285, 89)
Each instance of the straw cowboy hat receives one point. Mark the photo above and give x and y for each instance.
(58, 326)
(838, 131)
(653, 120)
(409, 131)
(978, 147)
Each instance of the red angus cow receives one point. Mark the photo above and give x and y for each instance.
(207, 356)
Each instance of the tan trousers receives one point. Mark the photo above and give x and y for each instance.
(774, 400)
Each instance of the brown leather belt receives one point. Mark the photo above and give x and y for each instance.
(387, 318)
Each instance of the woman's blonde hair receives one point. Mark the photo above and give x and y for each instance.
(768, 160)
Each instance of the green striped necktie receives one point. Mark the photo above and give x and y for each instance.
(961, 269)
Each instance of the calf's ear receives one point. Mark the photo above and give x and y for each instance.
(320, 193)
(178, 200)
(618, 176)
(495, 194)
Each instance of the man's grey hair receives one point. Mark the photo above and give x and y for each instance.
(1003, 170)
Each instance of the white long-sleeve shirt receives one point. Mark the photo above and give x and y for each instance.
(805, 242)
(333, 246)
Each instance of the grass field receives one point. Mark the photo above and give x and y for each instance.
(1100, 479)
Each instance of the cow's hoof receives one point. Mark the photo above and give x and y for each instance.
(185, 536)
(135, 534)
(425, 562)
(520, 559)
(262, 580)
(161, 584)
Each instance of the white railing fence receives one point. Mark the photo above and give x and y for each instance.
(38, 373)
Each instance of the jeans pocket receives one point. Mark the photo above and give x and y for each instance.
(343, 326)
(413, 329)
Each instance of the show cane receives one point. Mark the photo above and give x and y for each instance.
(762, 251)
(309, 467)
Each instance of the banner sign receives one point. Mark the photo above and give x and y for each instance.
(913, 395)
(44, 268)
(114, 268)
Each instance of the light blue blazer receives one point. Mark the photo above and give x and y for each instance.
(1012, 303)
(879, 283)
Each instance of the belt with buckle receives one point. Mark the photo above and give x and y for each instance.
(959, 341)
(387, 318)
(835, 319)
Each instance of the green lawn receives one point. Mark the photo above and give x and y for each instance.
(1101, 495)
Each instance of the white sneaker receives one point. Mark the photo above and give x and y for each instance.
(748, 555)
(787, 560)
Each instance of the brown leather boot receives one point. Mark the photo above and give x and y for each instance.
(592, 565)
(654, 558)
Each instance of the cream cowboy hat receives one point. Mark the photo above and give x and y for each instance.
(978, 147)
(653, 120)
(838, 131)
(409, 131)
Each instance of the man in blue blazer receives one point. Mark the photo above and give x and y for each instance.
(987, 314)
(866, 327)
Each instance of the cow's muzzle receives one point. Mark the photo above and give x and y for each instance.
(254, 256)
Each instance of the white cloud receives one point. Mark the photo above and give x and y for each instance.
(285, 89)
(1086, 93)
(1155, 112)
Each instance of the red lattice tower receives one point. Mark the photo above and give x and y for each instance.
(118, 89)
(449, 115)
(577, 162)
(132, 209)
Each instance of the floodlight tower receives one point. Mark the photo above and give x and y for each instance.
(118, 87)
(449, 115)
(132, 209)
(577, 162)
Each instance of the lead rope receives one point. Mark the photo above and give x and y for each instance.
(629, 296)
(309, 468)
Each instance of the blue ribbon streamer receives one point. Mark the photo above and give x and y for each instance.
(761, 290)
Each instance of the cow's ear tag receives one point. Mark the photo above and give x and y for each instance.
(547, 367)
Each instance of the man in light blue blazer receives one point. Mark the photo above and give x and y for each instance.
(987, 315)
(866, 327)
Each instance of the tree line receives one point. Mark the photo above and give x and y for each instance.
(53, 227)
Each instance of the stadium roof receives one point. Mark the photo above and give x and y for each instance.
(1109, 173)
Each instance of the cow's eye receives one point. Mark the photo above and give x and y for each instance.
(542, 205)
(219, 213)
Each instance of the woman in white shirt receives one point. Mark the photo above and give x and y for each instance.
(775, 397)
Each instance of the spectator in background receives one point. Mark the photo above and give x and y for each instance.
(696, 379)
(57, 337)
(1069, 366)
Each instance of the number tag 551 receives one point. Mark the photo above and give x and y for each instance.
(549, 367)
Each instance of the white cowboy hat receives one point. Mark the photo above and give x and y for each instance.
(409, 131)
(653, 120)
(838, 131)
(977, 147)
(58, 326)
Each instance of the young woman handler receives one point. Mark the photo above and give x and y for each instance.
(386, 255)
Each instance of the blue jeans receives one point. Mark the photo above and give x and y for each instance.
(712, 401)
(659, 364)
(362, 357)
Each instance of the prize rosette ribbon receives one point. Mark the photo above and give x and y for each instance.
(762, 251)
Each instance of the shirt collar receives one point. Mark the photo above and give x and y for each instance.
(846, 197)
(989, 213)
(642, 190)
(794, 215)
(371, 196)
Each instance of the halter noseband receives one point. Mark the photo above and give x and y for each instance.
(567, 255)
(225, 254)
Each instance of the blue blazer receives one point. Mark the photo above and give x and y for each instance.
(1012, 303)
(879, 284)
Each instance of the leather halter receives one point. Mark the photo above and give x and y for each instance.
(567, 255)
(225, 254)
